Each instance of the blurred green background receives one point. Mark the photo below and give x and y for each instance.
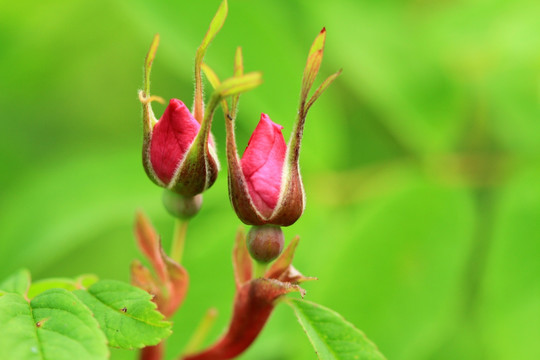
(421, 163)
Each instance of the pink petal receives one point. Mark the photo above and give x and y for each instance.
(262, 164)
(171, 138)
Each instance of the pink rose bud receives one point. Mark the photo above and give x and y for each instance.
(262, 165)
(265, 186)
(178, 151)
(176, 156)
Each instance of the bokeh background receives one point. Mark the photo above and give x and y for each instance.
(421, 163)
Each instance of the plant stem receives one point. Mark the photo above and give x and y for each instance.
(179, 236)
(153, 352)
(200, 334)
(260, 269)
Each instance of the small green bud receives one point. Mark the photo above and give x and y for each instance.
(265, 242)
(181, 207)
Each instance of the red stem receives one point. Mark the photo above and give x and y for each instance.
(153, 352)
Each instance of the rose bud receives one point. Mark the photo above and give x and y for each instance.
(178, 149)
(177, 154)
(265, 186)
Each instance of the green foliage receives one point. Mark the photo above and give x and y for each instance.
(215, 25)
(390, 222)
(17, 283)
(55, 325)
(66, 320)
(126, 314)
(333, 337)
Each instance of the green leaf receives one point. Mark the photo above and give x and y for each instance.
(331, 335)
(148, 63)
(53, 326)
(215, 25)
(322, 88)
(313, 64)
(40, 286)
(213, 79)
(239, 84)
(125, 313)
(17, 283)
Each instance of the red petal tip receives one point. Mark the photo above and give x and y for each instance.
(176, 103)
(266, 118)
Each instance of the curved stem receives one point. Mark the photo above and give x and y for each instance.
(153, 352)
(260, 269)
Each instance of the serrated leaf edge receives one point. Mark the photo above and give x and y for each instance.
(35, 321)
(290, 302)
(163, 324)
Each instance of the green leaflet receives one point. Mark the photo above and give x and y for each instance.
(125, 313)
(59, 324)
(333, 337)
(17, 283)
(55, 325)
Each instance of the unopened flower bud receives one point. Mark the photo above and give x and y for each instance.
(178, 150)
(181, 207)
(265, 243)
(179, 154)
(265, 186)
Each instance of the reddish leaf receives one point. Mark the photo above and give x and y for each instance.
(149, 243)
(143, 278)
(177, 285)
(284, 260)
(294, 276)
(170, 287)
(283, 270)
(243, 268)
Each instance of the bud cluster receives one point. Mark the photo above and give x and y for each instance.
(265, 190)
